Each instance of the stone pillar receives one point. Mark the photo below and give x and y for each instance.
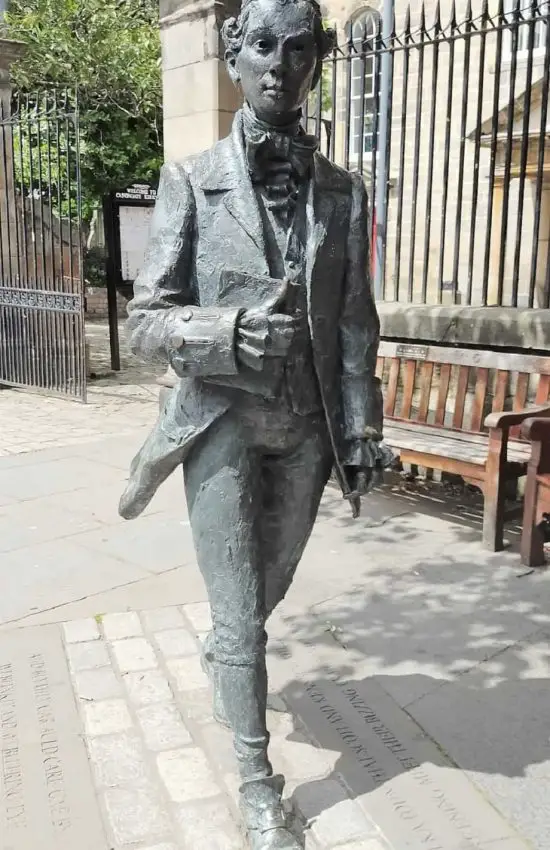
(9, 52)
(199, 97)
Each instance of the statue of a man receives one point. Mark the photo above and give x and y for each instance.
(256, 289)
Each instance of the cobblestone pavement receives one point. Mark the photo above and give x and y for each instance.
(164, 771)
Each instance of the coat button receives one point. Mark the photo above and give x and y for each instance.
(187, 314)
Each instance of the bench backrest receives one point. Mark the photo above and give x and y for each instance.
(457, 387)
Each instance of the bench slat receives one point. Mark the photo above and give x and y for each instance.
(408, 388)
(479, 399)
(501, 387)
(427, 372)
(461, 391)
(543, 390)
(520, 400)
(444, 379)
(391, 392)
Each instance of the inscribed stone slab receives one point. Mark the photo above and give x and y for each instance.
(47, 798)
(418, 798)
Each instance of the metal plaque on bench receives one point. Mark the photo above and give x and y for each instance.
(412, 352)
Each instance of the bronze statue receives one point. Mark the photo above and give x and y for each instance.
(256, 290)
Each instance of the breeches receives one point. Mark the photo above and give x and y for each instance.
(253, 483)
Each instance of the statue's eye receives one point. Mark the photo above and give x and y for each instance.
(299, 46)
(263, 44)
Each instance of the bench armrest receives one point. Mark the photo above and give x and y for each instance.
(535, 429)
(508, 420)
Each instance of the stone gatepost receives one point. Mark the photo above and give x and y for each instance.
(199, 98)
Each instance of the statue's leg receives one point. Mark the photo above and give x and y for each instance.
(223, 483)
(223, 493)
(292, 488)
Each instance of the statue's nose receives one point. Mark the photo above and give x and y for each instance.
(277, 65)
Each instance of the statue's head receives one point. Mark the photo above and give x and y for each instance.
(274, 51)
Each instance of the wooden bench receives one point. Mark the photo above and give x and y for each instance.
(436, 405)
(537, 491)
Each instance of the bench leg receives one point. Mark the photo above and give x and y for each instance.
(493, 513)
(532, 541)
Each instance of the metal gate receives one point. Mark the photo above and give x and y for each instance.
(42, 338)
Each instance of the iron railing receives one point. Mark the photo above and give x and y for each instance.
(466, 164)
(42, 341)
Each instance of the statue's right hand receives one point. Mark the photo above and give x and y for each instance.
(264, 332)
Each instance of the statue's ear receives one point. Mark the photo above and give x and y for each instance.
(231, 65)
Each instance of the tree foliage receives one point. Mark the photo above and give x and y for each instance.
(109, 51)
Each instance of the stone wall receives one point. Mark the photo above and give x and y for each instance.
(97, 304)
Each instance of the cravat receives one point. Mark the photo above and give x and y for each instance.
(278, 158)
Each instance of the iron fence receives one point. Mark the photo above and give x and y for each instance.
(465, 166)
(42, 341)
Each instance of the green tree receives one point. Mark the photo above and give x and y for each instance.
(109, 51)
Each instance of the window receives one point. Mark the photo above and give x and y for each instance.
(362, 33)
(523, 28)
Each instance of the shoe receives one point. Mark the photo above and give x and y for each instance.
(264, 817)
(208, 665)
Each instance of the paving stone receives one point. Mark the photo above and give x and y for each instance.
(187, 775)
(277, 703)
(80, 631)
(97, 684)
(136, 815)
(161, 847)
(87, 656)
(148, 687)
(368, 844)
(300, 759)
(197, 705)
(198, 614)
(119, 626)
(118, 759)
(106, 717)
(175, 643)
(209, 826)
(158, 619)
(134, 654)
(219, 745)
(281, 724)
(334, 817)
(188, 673)
(163, 727)
(232, 785)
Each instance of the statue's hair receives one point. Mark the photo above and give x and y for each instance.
(234, 29)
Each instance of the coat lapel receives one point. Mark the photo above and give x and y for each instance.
(227, 174)
(327, 193)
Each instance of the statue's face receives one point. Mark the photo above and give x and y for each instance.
(277, 62)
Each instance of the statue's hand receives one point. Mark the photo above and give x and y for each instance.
(265, 331)
(362, 479)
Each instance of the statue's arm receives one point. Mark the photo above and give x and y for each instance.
(164, 321)
(359, 340)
